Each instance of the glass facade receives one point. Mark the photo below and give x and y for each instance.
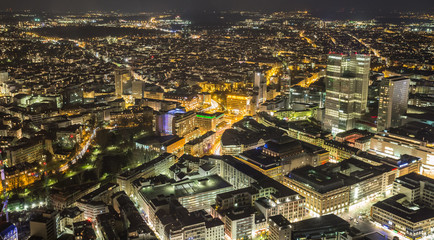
(346, 90)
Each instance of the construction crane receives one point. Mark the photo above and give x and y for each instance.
(4, 211)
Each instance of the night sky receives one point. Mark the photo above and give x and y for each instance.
(199, 5)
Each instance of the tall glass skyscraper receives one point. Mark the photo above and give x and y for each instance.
(347, 83)
(123, 82)
(393, 102)
(3, 79)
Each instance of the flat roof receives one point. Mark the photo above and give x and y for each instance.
(256, 157)
(399, 206)
(413, 180)
(186, 187)
(106, 187)
(144, 166)
(325, 222)
(330, 176)
(262, 181)
(210, 116)
(415, 130)
(280, 220)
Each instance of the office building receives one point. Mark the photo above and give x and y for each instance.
(260, 88)
(3, 79)
(334, 188)
(414, 138)
(346, 90)
(159, 165)
(157, 104)
(355, 138)
(194, 225)
(280, 155)
(84, 231)
(190, 101)
(73, 95)
(136, 227)
(245, 135)
(123, 82)
(67, 218)
(407, 218)
(417, 188)
(238, 103)
(209, 122)
(173, 221)
(92, 209)
(176, 121)
(8, 231)
(45, 225)
(61, 198)
(253, 188)
(329, 227)
(410, 211)
(279, 227)
(193, 194)
(239, 223)
(202, 145)
(393, 102)
(268, 201)
(137, 89)
(163, 144)
(26, 150)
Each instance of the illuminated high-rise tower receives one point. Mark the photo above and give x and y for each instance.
(3, 79)
(123, 82)
(393, 102)
(260, 86)
(346, 90)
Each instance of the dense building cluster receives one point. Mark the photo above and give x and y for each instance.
(259, 126)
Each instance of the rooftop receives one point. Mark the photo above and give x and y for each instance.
(280, 220)
(331, 176)
(399, 206)
(326, 222)
(416, 130)
(185, 188)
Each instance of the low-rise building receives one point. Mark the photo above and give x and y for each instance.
(280, 155)
(201, 146)
(414, 138)
(279, 227)
(172, 144)
(159, 165)
(239, 223)
(417, 188)
(25, 150)
(324, 227)
(408, 218)
(45, 225)
(333, 188)
(193, 194)
(209, 122)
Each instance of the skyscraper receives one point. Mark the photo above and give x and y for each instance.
(393, 102)
(347, 83)
(123, 82)
(137, 89)
(3, 79)
(260, 85)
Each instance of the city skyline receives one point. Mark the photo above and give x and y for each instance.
(216, 125)
(197, 5)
